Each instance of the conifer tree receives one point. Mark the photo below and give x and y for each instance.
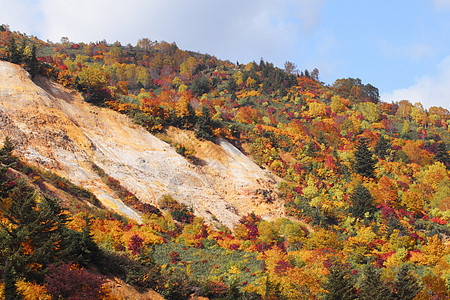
(406, 286)
(234, 292)
(190, 119)
(442, 154)
(21, 50)
(204, 124)
(83, 249)
(339, 284)
(381, 147)
(363, 163)
(321, 139)
(35, 226)
(372, 286)
(13, 54)
(362, 202)
(273, 291)
(9, 280)
(311, 150)
(32, 62)
(30, 236)
(6, 156)
(8, 147)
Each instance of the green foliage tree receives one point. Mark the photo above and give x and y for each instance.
(381, 147)
(442, 155)
(204, 125)
(232, 86)
(363, 163)
(9, 280)
(311, 150)
(362, 202)
(339, 284)
(31, 235)
(6, 156)
(32, 62)
(200, 86)
(12, 52)
(82, 249)
(273, 290)
(406, 286)
(34, 233)
(321, 139)
(372, 286)
(190, 119)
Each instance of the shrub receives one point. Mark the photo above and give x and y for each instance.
(71, 282)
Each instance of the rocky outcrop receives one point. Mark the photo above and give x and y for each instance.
(53, 128)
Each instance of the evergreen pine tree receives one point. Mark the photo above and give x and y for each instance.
(406, 286)
(21, 50)
(372, 286)
(339, 285)
(442, 154)
(32, 62)
(321, 139)
(190, 119)
(204, 124)
(9, 280)
(363, 163)
(381, 147)
(6, 156)
(234, 292)
(311, 150)
(83, 249)
(35, 230)
(306, 73)
(273, 291)
(362, 202)
(12, 52)
(8, 147)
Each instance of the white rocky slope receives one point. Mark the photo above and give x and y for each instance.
(52, 127)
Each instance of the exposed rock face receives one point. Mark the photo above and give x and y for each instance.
(53, 127)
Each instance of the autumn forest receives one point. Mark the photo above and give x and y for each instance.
(365, 185)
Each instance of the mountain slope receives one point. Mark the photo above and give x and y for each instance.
(55, 129)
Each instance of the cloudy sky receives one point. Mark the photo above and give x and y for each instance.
(401, 47)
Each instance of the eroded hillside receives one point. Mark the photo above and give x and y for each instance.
(54, 128)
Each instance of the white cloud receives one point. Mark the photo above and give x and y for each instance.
(440, 4)
(244, 30)
(428, 90)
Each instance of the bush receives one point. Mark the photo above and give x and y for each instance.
(179, 211)
(71, 282)
(200, 86)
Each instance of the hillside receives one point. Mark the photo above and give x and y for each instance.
(337, 194)
(53, 128)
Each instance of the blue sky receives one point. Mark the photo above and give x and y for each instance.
(401, 47)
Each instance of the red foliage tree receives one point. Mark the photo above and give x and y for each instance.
(72, 283)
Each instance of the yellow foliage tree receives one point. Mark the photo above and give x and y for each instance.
(317, 109)
(336, 104)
